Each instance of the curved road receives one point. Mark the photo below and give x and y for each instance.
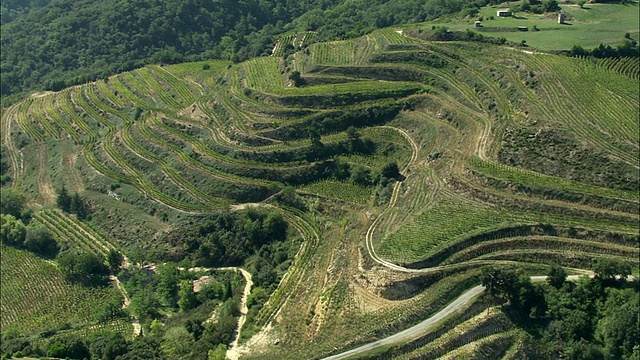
(422, 327)
(419, 329)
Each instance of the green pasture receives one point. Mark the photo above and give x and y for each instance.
(588, 27)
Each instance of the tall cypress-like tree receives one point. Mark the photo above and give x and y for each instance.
(78, 207)
(64, 200)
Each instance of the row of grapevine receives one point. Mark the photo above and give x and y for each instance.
(151, 83)
(140, 181)
(392, 36)
(35, 296)
(541, 243)
(187, 159)
(311, 236)
(627, 66)
(532, 178)
(176, 84)
(71, 231)
(334, 53)
(296, 40)
(37, 110)
(263, 73)
(30, 127)
(606, 125)
(345, 191)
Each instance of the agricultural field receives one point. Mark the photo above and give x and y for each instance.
(36, 298)
(403, 169)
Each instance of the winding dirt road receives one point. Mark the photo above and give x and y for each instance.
(137, 328)
(232, 352)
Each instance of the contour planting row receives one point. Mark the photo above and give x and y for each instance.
(186, 158)
(123, 91)
(105, 90)
(151, 83)
(177, 85)
(580, 106)
(471, 72)
(310, 234)
(560, 196)
(627, 66)
(67, 233)
(480, 328)
(90, 143)
(135, 177)
(26, 123)
(434, 296)
(546, 211)
(573, 259)
(53, 111)
(532, 178)
(542, 243)
(98, 238)
(294, 39)
(37, 110)
(137, 86)
(166, 168)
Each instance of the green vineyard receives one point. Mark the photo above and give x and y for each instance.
(405, 165)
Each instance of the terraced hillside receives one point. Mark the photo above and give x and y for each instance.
(36, 299)
(506, 158)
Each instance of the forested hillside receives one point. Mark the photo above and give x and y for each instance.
(51, 45)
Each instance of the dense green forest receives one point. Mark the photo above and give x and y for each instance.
(51, 45)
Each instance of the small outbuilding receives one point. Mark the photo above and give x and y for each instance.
(561, 18)
(504, 13)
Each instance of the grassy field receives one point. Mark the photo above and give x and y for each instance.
(590, 26)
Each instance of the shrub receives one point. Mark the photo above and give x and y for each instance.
(40, 240)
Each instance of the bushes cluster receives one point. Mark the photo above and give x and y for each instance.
(84, 268)
(228, 239)
(33, 237)
(16, 228)
(536, 6)
(593, 319)
(335, 121)
(628, 48)
(553, 153)
(425, 58)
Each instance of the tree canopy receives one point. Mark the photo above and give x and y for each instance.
(54, 44)
(83, 268)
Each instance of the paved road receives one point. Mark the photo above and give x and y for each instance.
(415, 331)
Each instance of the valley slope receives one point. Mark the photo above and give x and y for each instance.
(406, 166)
